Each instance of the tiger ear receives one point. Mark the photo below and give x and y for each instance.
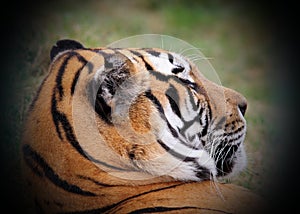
(63, 45)
(107, 80)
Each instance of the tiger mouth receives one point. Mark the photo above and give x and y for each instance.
(228, 153)
(226, 160)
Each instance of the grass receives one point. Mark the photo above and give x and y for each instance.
(232, 37)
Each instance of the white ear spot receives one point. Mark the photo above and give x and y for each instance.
(98, 73)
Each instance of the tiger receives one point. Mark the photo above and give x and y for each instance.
(133, 130)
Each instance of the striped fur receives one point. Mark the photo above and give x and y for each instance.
(105, 120)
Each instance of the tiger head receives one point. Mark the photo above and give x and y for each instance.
(157, 114)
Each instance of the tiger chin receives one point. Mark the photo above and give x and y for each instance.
(110, 125)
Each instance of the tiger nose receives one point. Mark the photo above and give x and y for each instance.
(241, 102)
(236, 99)
(243, 107)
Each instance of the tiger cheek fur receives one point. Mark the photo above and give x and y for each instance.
(106, 119)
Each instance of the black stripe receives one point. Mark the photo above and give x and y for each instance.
(115, 205)
(194, 86)
(164, 78)
(95, 181)
(60, 73)
(33, 156)
(60, 118)
(147, 65)
(174, 106)
(159, 107)
(205, 128)
(90, 67)
(236, 131)
(175, 154)
(188, 83)
(209, 111)
(173, 131)
(167, 209)
(192, 100)
(171, 58)
(84, 61)
(75, 79)
(177, 70)
(235, 139)
(198, 103)
(173, 97)
(62, 69)
(152, 52)
(31, 162)
(136, 53)
(188, 124)
(81, 58)
(200, 172)
(69, 132)
(55, 114)
(200, 114)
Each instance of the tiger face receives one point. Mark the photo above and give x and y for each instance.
(159, 115)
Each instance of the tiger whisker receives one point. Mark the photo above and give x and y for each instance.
(202, 58)
(171, 47)
(220, 153)
(214, 185)
(193, 48)
(194, 56)
(211, 153)
(222, 164)
(218, 190)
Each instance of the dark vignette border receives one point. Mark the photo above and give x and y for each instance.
(280, 16)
